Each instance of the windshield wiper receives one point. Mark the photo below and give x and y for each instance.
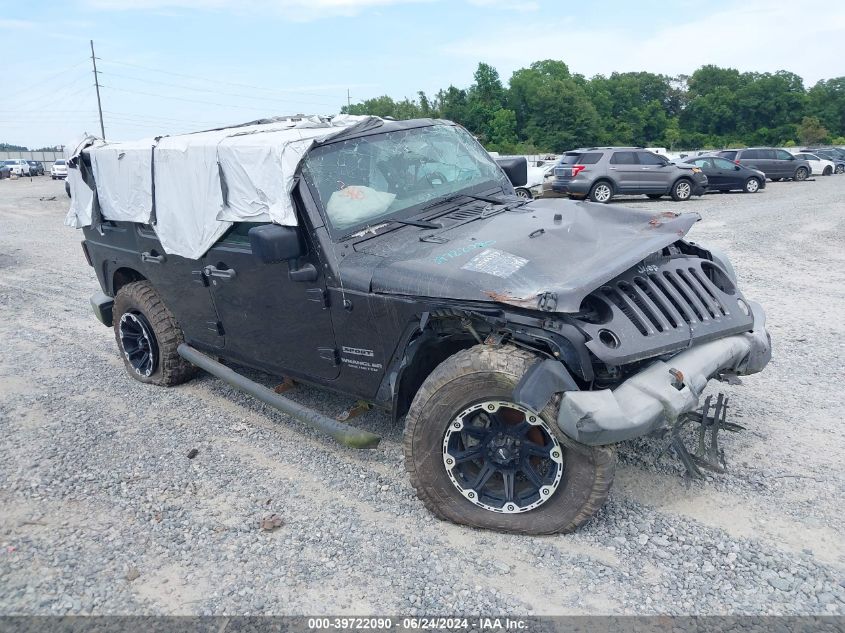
(420, 223)
(471, 196)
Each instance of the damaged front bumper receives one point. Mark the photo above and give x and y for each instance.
(661, 393)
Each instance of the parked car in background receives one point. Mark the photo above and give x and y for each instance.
(833, 154)
(59, 169)
(723, 175)
(18, 166)
(818, 165)
(599, 173)
(534, 185)
(5, 170)
(777, 164)
(36, 168)
(837, 152)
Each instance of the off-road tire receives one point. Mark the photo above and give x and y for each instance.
(801, 174)
(171, 369)
(477, 374)
(682, 190)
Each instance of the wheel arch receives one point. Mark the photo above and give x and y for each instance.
(423, 353)
(431, 342)
(122, 276)
(607, 179)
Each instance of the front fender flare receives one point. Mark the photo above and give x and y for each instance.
(541, 382)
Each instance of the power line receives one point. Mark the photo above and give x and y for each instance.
(41, 81)
(160, 96)
(216, 91)
(50, 92)
(219, 81)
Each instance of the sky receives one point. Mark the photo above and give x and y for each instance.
(170, 66)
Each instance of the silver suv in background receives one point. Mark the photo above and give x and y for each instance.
(599, 173)
(777, 164)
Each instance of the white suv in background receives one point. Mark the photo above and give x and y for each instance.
(59, 169)
(18, 166)
(819, 165)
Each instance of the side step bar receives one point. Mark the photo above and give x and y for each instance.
(343, 433)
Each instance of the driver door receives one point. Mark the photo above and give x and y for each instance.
(270, 321)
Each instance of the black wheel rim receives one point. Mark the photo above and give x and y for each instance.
(502, 457)
(138, 343)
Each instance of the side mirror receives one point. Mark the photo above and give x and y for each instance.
(737, 167)
(272, 243)
(516, 169)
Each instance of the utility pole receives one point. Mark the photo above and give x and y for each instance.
(348, 98)
(97, 85)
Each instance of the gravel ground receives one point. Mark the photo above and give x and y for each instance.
(103, 513)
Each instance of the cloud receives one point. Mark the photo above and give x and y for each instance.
(292, 9)
(749, 35)
(509, 5)
(16, 24)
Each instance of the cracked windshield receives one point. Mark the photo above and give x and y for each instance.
(363, 180)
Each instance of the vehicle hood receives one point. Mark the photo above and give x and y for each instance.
(548, 254)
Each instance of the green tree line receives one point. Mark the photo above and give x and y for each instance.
(545, 107)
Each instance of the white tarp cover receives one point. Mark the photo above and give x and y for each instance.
(81, 196)
(258, 164)
(123, 173)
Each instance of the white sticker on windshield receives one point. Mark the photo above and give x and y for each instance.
(495, 262)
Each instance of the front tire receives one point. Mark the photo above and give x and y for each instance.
(147, 336)
(523, 193)
(511, 469)
(682, 190)
(839, 169)
(601, 192)
(801, 174)
(752, 185)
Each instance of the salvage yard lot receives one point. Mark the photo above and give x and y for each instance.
(102, 511)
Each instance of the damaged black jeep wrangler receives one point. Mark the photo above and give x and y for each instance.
(519, 340)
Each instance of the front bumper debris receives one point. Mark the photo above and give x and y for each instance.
(658, 395)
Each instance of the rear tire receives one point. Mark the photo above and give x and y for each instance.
(752, 185)
(828, 171)
(465, 385)
(800, 174)
(682, 190)
(144, 326)
(601, 192)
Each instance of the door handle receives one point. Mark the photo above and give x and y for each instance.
(149, 258)
(211, 271)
